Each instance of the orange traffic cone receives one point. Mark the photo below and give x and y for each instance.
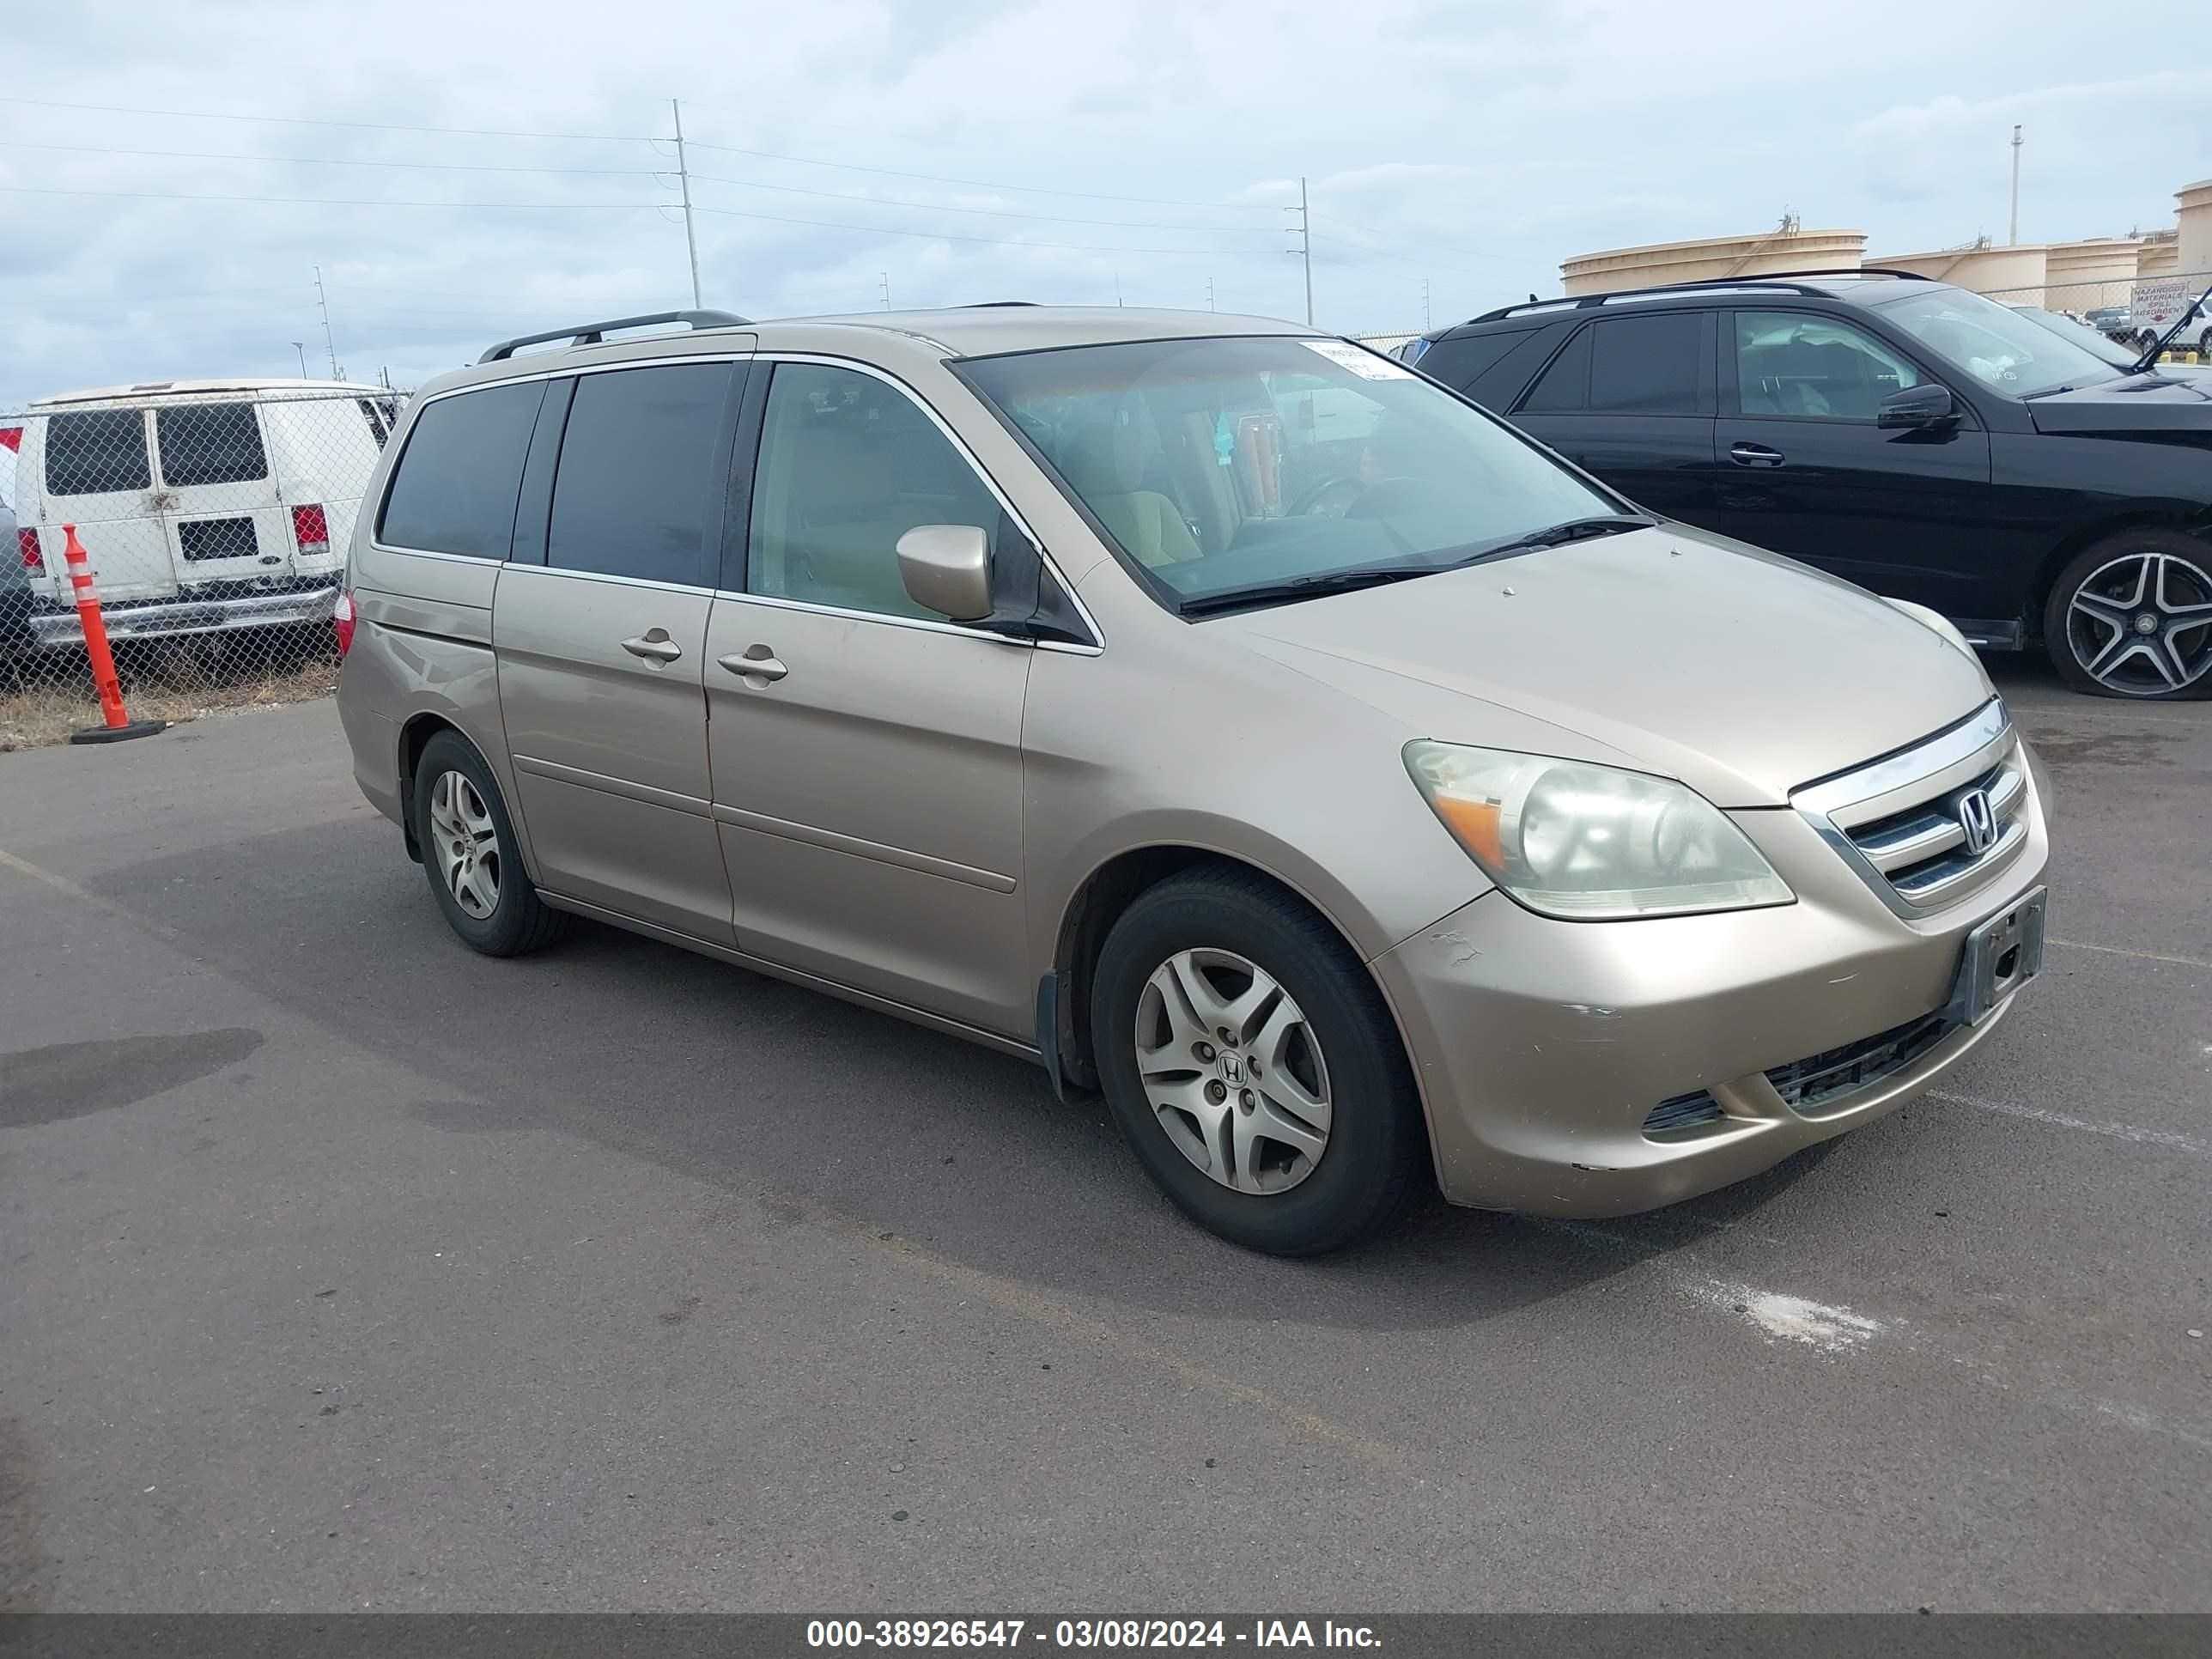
(119, 725)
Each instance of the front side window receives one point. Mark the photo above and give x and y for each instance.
(1995, 344)
(209, 444)
(847, 466)
(637, 474)
(455, 489)
(96, 452)
(1223, 467)
(1803, 367)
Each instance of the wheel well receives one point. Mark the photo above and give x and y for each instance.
(1090, 915)
(414, 736)
(2088, 536)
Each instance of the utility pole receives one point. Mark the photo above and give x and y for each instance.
(1117, 288)
(323, 300)
(300, 346)
(1209, 294)
(1304, 249)
(683, 180)
(887, 290)
(2013, 240)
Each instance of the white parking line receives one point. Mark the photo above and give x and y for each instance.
(2171, 1139)
(2120, 951)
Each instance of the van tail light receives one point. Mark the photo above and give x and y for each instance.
(27, 540)
(11, 437)
(312, 531)
(342, 620)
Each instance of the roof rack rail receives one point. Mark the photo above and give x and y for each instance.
(594, 333)
(1782, 279)
(992, 305)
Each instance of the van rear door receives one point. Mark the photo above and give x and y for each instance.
(91, 468)
(223, 517)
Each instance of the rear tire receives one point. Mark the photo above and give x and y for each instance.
(470, 853)
(2132, 617)
(1298, 1133)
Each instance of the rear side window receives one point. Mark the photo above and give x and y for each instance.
(1461, 361)
(455, 488)
(637, 473)
(1650, 365)
(378, 427)
(209, 444)
(96, 451)
(1563, 388)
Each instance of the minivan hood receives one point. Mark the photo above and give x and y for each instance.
(1741, 674)
(2165, 400)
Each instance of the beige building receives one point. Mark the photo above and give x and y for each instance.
(2193, 240)
(1712, 257)
(1986, 270)
(2088, 274)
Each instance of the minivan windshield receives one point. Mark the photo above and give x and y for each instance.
(1267, 468)
(1995, 344)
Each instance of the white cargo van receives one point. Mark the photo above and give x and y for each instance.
(205, 505)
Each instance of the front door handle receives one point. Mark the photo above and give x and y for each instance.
(757, 662)
(1754, 455)
(655, 645)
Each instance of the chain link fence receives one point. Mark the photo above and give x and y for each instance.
(2130, 312)
(214, 519)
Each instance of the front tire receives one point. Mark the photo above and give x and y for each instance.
(469, 852)
(2132, 617)
(1253, 1068)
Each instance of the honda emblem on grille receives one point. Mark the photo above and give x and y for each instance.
(1977, 820)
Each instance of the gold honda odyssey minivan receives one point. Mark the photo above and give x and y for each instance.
(1219, 714)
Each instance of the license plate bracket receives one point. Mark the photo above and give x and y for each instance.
(2002, 954)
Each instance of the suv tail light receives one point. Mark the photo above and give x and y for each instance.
(342, 620)
(312, 531)
(27, 540)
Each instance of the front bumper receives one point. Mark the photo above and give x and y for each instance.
(52, 630)
(1541, 1047)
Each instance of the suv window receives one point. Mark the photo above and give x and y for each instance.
(1800, 367)
(96, 451)
(209, 444)
(847, 466)
(637, 473)
(1461, 360)
(1563, 388)
(1650, 365)
(455, 488)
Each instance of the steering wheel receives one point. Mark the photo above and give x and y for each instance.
(1332, 498)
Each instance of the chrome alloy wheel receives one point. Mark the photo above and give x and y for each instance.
(1232, 1071)
(467, 844)
(2142, 625)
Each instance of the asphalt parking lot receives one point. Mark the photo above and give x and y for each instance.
(345, 1269)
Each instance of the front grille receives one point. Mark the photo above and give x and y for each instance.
(1927, 826)
(1680, 1113)
(217, 538)
(1821, 1081)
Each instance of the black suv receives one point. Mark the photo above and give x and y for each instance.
(2028, 482)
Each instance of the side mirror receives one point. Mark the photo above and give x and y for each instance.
(946, 568)
(1915, 406)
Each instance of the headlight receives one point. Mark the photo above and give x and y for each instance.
(1591, 843)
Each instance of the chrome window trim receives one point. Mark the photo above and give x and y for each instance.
(1918, 774)
(1098, 644)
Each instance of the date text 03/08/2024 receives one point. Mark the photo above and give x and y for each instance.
(1087, 1633)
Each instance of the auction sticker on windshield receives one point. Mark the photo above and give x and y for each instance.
(1365, 364)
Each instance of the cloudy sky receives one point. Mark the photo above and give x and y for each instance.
(470, 169)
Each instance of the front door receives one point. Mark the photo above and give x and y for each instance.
(1806, 471)
(866, 754)
(601, 646)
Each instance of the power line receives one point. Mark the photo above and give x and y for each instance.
(995, 213)
(950, 236)
(317, 121)
(332, 201)
(326, 161)
(980, 184)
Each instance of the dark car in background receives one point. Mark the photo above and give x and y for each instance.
(1921, 441)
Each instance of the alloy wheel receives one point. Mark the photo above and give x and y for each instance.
(2142, 624)
(467, 844)
(1233, 1071)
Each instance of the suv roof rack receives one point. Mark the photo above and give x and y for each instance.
(1782, 279)
(992, 305)
(593, 333)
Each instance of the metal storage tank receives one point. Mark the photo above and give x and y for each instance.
(1762, 252)
(2015, 272)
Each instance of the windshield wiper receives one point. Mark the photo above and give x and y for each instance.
(1572, 530)
(1306, 587)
